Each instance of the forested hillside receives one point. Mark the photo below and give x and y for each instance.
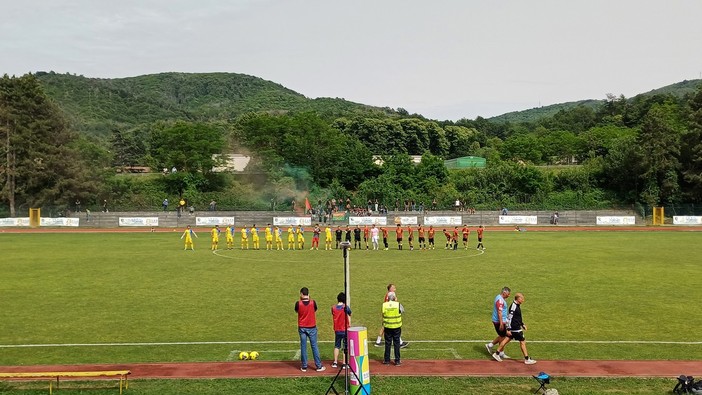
(98, 106)
(65, 138)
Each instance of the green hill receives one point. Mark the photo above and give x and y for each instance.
(95, 105)
(543, 112)
(679, 90)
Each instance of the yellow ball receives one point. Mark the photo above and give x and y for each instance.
(253, 355)
(243, 355)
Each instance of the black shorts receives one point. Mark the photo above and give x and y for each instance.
(465, 239)
(518, 336)
(399, 240)
(501, 333)
(431, 240)
(338, 339)
(421, 239)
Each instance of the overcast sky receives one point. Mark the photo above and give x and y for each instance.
(445, 59)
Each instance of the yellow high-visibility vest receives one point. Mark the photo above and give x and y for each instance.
(391, 315)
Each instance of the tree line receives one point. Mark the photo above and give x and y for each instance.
(647, 150)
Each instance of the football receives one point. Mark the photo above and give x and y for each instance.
(243, 355)
(253, 355)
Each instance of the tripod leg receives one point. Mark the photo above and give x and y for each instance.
(331, 386)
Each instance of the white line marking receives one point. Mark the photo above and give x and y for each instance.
(474, 254)
(455, 353)
(331, 341)
(297, 355)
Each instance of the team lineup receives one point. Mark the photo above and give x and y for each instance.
(368, 237)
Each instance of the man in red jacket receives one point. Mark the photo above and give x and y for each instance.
(306, 309)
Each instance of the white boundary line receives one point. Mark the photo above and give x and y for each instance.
(661, 342)
(248, 258)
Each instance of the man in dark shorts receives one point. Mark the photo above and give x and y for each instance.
(398, 232)
(430, 233)
(499, 321)
(338, 233)
(420, 233)
(356, 237)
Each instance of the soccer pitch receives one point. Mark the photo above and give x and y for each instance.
(138, 297)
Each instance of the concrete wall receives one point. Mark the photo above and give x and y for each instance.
(488, 218)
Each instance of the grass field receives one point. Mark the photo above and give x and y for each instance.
(112, 298)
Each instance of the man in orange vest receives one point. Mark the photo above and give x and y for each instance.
(306, 309)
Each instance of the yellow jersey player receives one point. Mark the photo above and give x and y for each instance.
(327, 238)
(300, 237)
(244, 238)
(291, 238)
(188, 236)
(215, 237)
(278, 234)
(230, 237)
(269, 237)
(254, 237)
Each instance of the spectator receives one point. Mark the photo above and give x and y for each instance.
(165, 205)
(306, 309)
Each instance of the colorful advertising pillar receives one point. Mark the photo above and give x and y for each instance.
(358, 361)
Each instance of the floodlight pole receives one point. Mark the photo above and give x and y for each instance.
(346, 246)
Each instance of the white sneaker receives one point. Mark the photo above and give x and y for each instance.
(529, 361)
(496, 357)
(489, 348)
(504, 356)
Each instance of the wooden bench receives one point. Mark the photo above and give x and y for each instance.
(122, 374)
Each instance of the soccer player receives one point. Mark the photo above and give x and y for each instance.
(374, 237)
(480, 238)
(356, 237)
(385, 237)
(448, 239)
(499, 322)
(269, 237)
(347, 236)
(254, 237)
(398, 234)
(422, 243)
(366, 235)
(328, 238)
(300, 237)
(466, 233)
(454, 238)
(215, 237)
(338, 233)
(244, 238)
(430, 233)
(315, 237)
(410, 237)
(291, 238)
(230, 237)
(278, 233)
(188, 235)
